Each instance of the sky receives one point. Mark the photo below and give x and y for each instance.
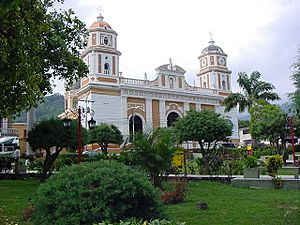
(262, 35)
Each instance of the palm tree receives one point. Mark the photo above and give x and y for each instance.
(253, 90)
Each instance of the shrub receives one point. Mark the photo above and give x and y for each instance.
(250, 162)
(274, 163)
(178, 193)
(95, 191)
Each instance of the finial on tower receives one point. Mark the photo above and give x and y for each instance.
(100, 17)
(170, 61)
(211, 41)
(146, 77)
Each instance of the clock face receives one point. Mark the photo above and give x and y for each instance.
(221, 61)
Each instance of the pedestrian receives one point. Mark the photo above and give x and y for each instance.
(17, 157)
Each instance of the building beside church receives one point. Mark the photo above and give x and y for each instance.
(142, 104)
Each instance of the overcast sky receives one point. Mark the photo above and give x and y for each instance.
(256, 34)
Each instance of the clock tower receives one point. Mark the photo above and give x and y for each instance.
(213, 73)
(101, 54)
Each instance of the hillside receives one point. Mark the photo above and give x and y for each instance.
(51, 107)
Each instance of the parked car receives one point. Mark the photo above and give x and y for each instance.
(226, 145)
(8, 144)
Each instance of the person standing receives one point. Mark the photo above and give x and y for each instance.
(17, 157)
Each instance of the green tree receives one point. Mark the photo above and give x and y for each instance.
(155, 151)
(268, 122)
(37, 43)
(105, 134)
(295, 96)
(244, 123)
(207, 127)
(51, 136)
(253, 89)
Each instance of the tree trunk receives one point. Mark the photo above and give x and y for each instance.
(50, 158)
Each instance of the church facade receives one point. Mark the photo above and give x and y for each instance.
(143, 104)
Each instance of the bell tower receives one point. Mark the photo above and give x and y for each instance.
(213, 73)
(101, 54)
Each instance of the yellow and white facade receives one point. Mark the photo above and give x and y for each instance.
(149, 103)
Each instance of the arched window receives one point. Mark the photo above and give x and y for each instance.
(171, 82)
(171, 119)
(223, 85)
(106, 68)
(137, 126)
(180, 82)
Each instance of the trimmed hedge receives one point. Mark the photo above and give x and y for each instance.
(93, 192)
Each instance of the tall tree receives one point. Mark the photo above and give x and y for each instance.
(207, 127)
(51, 136)
(155, 151)
(253, 89)
(105, 134)
(268, 122)
(296, 81)
(37, 43)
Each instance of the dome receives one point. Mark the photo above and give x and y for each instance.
(212, 48)
(100, 24)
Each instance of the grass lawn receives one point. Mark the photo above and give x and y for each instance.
(227, 205)
(14, 198)
(242, 206)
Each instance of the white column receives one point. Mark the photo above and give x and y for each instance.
(186, 107)
(149, 121)
(125, 123)
(198, 107)
(162, 113)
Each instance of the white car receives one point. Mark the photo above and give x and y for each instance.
(8, 144)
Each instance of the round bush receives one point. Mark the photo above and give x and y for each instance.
(95, 191)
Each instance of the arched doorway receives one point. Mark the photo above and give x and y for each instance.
(171, 119)
(138, 125)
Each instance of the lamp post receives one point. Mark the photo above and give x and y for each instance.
(290, 122)
(67, 124)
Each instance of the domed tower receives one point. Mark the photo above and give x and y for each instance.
(101, 54)
(213, 73)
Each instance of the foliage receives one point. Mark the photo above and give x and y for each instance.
(105, 134)
(253, 89)
(51, 134)
(205, 126)
(244, 123)
(142, 222)
(5, 163)
(52, 106)
(250, 162)
(154, 151)
(96, 191)
(42, 44)
(274, 163)
(268, 122)
(295, 96)
(179, 186)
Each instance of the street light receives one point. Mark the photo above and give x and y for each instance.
(133, 118)
(290, 122)
(67, 124)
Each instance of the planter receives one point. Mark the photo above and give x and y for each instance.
(251, 172)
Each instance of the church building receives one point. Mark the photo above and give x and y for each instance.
(143, 104)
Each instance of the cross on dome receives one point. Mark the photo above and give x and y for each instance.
(100, 18)
(211, 41)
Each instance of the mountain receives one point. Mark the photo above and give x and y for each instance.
(52, 106)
